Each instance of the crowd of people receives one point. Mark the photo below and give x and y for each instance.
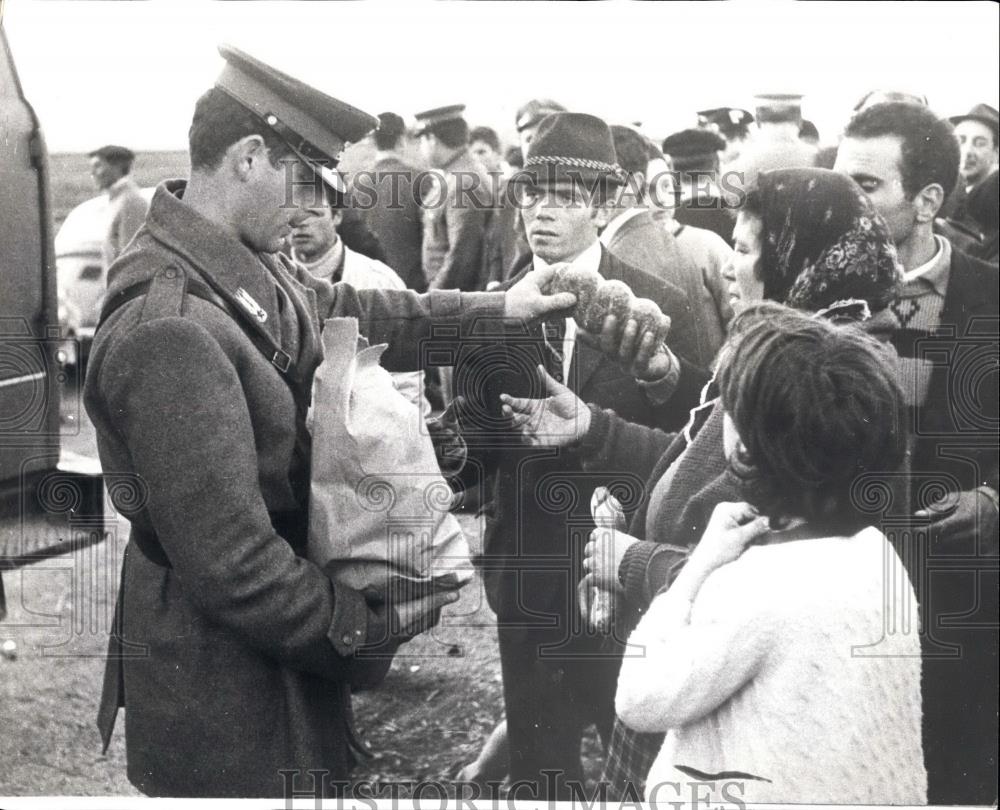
(804, 589)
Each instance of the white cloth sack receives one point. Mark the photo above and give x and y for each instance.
(378, 508)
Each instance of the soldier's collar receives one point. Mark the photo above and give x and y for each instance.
(239, 275)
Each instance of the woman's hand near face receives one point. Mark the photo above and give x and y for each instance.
(558, 420)
(732, 527)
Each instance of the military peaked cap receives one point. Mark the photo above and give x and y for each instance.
(314, 125)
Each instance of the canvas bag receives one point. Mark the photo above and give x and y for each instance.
(378, 506)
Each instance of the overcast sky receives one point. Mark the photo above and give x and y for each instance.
(129, 72)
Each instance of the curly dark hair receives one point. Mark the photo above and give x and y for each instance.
(930, 151)
(219, 122)
(816, 405)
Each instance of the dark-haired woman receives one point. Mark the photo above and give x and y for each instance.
(784, 663)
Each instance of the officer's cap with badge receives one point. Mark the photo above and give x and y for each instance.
(315, 126)
(429, 119)
(729, 122)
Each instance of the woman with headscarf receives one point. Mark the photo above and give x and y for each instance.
(808, 238)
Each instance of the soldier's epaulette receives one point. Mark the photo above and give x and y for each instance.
(165, 296)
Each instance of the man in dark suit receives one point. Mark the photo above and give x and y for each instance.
(393, 211)
(695, 156)
(978, 133)
(945, 327)
(634, 236)
(559, 678)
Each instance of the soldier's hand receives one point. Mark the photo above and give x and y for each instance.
(640, 355)
(527, 301)
(420, 615)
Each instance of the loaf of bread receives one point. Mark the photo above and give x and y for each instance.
(596, 298)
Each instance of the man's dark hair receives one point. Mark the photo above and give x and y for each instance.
(808, 131)
(452, 133)
(816, 405)
(390, 129)
(219, 122)
(120, 157)
(486, 135)
(928, 146)
(633, 149)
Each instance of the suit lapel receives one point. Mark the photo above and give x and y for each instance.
(587, 359)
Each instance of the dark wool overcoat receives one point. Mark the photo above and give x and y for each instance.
(237, 653)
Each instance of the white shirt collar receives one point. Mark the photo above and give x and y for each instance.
(930, 264)
(616, 224)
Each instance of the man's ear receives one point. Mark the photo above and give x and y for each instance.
(244, 154)
(929, 201)
(603, 212)
(337, 215)
(637, 186)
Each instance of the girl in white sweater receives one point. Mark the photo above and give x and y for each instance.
(784, 661)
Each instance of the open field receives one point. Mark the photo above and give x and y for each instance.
(71, 183)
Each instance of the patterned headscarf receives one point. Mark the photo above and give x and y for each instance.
(822, 241)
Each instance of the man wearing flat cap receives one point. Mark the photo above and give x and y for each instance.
(695, 157)
(558, 679)
(111, 168)
(233, 655)
(529, 116)
(457, 211)
(977, 140)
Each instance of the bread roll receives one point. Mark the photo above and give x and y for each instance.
(612, 298)
(650, 319)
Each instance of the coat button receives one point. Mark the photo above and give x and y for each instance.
(348, 639)
(170, 272)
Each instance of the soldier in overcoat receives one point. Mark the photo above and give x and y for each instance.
(232, 654)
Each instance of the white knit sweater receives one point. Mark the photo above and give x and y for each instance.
(800, 665)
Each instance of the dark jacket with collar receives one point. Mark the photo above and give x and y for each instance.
(389, 203)
(698, 327)
(241, 653)
(961, 409)
(456, 220)
(955, 575)
(539, 518)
